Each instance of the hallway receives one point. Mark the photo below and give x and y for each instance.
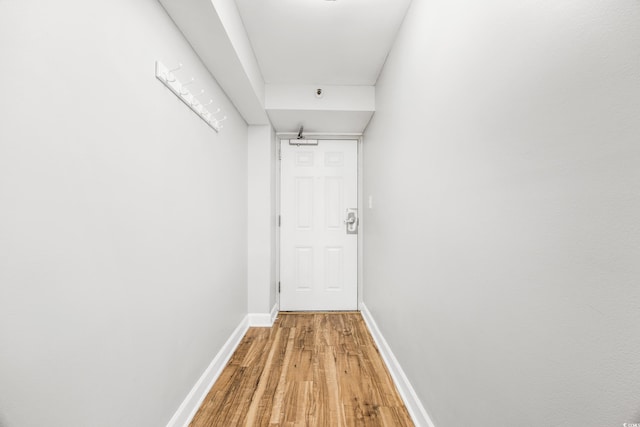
(311, 369)
(145, 222)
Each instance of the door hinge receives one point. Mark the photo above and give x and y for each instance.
(280, 154)
(279, 220)
(278, 287)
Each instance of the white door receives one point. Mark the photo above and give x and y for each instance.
(319, 241)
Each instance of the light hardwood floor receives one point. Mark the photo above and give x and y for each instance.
(309, 369)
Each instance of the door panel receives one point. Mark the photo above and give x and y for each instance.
(318, 257)
(304, 193)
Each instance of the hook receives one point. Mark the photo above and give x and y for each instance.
(186, 84)
(170, 76)
(215, 123)
(197, 104)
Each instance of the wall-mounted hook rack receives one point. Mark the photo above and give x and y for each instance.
(166, 76)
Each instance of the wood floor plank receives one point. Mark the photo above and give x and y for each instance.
(256, 410)
(277, 411)
(309, 369)
(271, 381)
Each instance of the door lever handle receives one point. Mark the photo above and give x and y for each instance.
(352, 221)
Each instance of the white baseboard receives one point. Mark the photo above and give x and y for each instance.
(263, 320)
(419, 415)
(194, 399)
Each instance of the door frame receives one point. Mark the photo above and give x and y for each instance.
(278, 171)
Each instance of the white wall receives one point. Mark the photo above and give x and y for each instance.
(503, 245)
(123, 217)
(261, 219)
